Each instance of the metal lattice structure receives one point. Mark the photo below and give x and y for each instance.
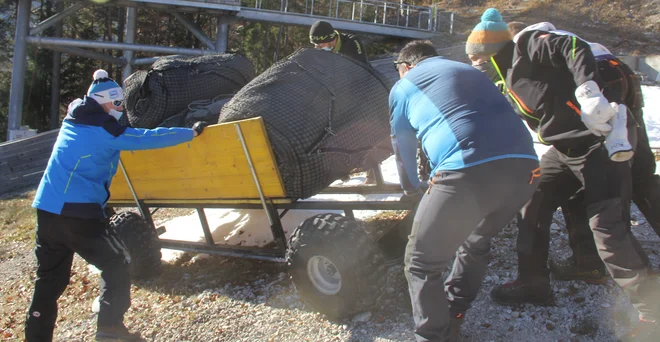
(365, 16)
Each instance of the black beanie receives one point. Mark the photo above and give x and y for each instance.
(321, 32)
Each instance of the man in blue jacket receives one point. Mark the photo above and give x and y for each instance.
(483, 171)
(70, 202)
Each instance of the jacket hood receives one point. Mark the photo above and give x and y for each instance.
(597, 49)
(87, 111)
(82, 108)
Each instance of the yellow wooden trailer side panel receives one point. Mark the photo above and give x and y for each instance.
(211, 166)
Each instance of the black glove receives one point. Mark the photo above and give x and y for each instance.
(198, 127)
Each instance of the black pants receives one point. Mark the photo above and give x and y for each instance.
(58, 237)
(458, 216)
(607, 192)
(645, 194)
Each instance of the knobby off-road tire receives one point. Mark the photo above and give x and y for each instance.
(336, 268)
(142, 243)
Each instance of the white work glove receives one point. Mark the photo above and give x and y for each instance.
(596, 111)
(617, 144)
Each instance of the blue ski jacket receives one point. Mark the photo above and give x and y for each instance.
(77, 179)
(459, 116)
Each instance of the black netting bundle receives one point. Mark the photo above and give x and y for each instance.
(174, 82)
(202, 110)
(131, 88)
(325, 115)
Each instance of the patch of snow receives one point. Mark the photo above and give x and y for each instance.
(652, 114)
(247, 227)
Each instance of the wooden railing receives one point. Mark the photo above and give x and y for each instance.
(22, 162)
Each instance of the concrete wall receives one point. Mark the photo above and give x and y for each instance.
(648, 65)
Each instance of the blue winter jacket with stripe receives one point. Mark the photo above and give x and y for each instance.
(77, 179)
(459, 116)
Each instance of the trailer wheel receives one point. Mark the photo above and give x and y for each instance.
(335, 267)
(142, 243)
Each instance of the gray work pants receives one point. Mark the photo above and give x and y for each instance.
(607, 192)
(462, 211)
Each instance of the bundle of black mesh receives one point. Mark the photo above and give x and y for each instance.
(325, 115)
(174, 82)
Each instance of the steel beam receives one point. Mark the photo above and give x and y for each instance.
(55, 91)
(256, 253)
(88, 54)
(221, 35)
(131, 27)
(41, 41)
(189, 4)
(18, 70)
(42, 26)
(145, 61)
(55, 77)
(194, 29)
(348, 25)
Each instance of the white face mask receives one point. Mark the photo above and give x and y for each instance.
(326, 48)
(116, 114)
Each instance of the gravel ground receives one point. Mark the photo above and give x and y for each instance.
(208, 298)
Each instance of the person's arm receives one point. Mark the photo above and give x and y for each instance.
(404, 142)
(351, 47)
(361, 51)
(145, 139)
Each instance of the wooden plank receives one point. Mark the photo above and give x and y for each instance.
(45, 135)
(26, 153)
(212, 166)
(22, 168)
(15, 150)
(17, 175)
(17, 184)
(37, 142)
(14, 155)
(21, 164)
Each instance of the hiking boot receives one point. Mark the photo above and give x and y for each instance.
(568, 269)
(116, 333)
(643, 331)
(455, 323)
(518, 292)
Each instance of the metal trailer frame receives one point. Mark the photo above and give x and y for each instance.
(271, 208)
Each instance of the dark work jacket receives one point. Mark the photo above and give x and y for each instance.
(348, 45)
(542, 72)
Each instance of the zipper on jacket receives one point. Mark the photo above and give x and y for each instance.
(574, 45)
(74, 170)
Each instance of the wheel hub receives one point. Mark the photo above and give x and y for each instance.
(324, 275)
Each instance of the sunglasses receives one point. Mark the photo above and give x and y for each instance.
(117, 103)
(396, 65)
